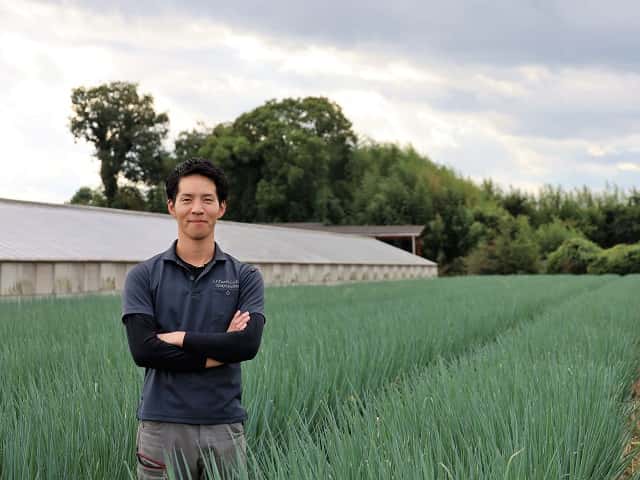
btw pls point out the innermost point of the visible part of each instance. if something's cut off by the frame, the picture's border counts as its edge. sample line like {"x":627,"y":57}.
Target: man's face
{"x":196,"y":208}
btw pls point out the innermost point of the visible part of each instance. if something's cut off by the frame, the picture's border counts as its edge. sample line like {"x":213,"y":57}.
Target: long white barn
{"x":48,"y":249}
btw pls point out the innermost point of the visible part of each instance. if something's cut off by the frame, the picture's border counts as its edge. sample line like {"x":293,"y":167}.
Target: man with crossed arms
{"x":192,"y":314}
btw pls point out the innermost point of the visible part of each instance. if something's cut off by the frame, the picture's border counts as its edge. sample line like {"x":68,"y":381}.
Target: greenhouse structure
{"x":51,"y":249}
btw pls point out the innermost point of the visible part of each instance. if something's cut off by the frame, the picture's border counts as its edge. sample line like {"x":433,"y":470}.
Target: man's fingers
{"x":235,"y":316}
{"x":239,"y":323}
{"x":240,"y":318}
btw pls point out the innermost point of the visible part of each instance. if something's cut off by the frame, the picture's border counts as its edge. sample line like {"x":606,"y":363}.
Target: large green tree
{"x":389,"y":185}
{"x":188,"y":143}
{"x":88,"y":196}
{"x":286,"y":160}
{"x":125,"y":130}
{"x":452,"y":233}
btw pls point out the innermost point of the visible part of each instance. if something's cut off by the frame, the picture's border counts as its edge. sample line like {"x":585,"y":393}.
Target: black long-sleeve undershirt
{"x":228,"y":347}
{"x":149,"y":351}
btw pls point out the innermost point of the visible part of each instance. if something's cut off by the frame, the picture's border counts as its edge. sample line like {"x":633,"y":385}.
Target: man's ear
{"x":223,"y":208}
{"x":171,"y":207}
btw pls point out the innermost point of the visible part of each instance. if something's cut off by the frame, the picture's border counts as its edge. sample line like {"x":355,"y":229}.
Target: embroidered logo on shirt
{"x":227,"y":284}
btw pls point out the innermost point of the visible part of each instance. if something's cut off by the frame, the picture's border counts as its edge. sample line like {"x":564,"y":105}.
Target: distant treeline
{"x":298,"y":160}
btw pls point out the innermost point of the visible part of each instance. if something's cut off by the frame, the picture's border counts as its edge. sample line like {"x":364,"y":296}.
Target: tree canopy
{"x":299,"y":160}
{"x":125,"y":130}
{"x":286,"y":161}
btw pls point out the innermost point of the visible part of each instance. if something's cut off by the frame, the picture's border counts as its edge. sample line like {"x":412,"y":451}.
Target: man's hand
{"x":238,"y":322}
{"x":174,"y":338}
{"x":177,"y":338}
{"x":212,"y":363}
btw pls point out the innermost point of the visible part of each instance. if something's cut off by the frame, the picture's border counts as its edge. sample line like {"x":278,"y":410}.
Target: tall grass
{"x":69,"y":394}
{"x":326,"y":345}
{"x":70,"y":389}
{"x":547,"y":400}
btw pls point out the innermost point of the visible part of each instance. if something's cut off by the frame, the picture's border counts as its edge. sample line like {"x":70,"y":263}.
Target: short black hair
{"x":197,"y":166}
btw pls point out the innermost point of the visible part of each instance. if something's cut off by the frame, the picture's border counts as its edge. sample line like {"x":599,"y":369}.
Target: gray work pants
{"x":189,"y":451}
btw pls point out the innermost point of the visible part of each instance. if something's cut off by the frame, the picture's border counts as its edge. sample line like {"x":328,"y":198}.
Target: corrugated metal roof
{"x":46,"y":232}
{"x":365,"y":230}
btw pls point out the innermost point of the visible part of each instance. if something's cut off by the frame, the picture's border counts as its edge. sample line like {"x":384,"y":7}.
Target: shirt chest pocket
{"x":221,"y":304}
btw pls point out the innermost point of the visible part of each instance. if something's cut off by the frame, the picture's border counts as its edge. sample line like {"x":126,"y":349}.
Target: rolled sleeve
{"x":251,"y":297}
{"x":136,"y":295}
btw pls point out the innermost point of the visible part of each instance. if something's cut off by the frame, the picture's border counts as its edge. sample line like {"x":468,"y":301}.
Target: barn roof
{"x":364,"y":230}
{"x":49,"y":232}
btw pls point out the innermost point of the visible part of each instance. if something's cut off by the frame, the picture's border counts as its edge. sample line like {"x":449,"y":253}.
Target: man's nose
{"x":197,"y":207}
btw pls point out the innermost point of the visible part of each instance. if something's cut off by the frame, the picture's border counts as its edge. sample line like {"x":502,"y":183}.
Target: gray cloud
{"x":570,"y":124}
{"x":552,"y":32}
{"x":457,"y":38}
{"x":526,"y":94}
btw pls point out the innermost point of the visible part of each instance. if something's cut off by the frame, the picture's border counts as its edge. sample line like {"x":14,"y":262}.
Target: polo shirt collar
{"x":171,"y":255}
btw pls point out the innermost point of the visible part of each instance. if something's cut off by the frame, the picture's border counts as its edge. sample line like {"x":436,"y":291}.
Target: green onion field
{"x":523,"y":377}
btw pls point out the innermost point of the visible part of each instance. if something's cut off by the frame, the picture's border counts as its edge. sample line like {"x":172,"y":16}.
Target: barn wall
{"x":62,"y":278}
{"x":299,"y":273}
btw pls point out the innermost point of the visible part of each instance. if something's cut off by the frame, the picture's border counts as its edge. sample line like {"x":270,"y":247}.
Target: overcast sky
{"x":526,"y":92}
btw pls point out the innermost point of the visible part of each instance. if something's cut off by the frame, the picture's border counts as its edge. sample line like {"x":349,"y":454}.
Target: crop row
{"x":70,"y":389}
{"x":316,"y":356}
{"x":547,"y":400}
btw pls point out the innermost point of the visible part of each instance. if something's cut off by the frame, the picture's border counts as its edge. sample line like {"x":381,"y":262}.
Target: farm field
{"x":483,"y":378}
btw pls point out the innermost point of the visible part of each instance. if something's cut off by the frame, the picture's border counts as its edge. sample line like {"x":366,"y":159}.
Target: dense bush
{"x":624,"y":259}
{"x":573,"y":256}
{"x":621,"y":259}
{"x":513,"y":249}
{"x":550,"y":236}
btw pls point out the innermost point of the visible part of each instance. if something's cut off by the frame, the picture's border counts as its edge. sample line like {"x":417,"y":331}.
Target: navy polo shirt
{"x":165,"y":288}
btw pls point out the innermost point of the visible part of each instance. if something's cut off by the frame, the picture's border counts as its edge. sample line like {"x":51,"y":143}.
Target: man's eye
{"x":186,"y":200}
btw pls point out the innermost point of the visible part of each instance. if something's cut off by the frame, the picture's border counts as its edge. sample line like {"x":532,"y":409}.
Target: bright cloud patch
{"x":523,"y":125}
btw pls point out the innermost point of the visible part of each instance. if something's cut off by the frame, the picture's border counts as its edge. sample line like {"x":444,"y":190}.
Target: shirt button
{"x":191,"y":277}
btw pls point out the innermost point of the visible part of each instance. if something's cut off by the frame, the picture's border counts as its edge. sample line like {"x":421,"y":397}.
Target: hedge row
{"x":579,"y":255}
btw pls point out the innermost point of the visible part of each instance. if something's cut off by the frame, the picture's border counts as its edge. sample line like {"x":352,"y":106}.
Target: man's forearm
{"x":228,"y":347}
{"x":150,"y":352}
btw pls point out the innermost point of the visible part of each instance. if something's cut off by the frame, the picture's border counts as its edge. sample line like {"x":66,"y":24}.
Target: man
{"x":192,"y":314}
